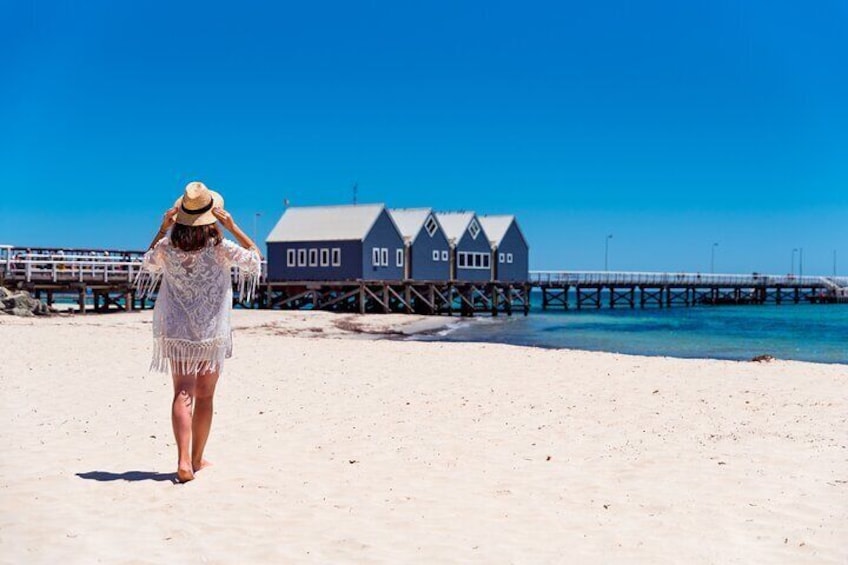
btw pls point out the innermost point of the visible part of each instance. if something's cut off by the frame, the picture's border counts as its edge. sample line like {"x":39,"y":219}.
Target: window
{"x":461,"y":258}
{"x":478,"y":260}
{"x":435,"y":255}
{"x":325,"y":257}
{"x":301,"y":257}
{"x":486,"y":257}
{"x":384,"y":257}
{"x":502,"y":258}
{"x":313,"y":257}
{"x":445,"y":255}
{"x":291,"y":260}
{"x":375,"y":256}
{"x":431,"y":226}
{"x":509,"y":257}
{"x":336,"y":256}
{"x":399,"y":257}
{"x":474,"y":229}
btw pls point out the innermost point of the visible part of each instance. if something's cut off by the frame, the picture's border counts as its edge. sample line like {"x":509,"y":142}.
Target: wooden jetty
{"x":103,"y":281}
{"x":594,"y":289}
{"x":409,"y":297}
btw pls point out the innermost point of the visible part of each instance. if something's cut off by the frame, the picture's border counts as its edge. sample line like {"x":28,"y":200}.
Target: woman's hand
{"x":225,"y":218}
{"x":169,"y":219}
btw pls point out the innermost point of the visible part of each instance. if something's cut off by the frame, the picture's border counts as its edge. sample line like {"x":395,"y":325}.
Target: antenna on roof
{"x":286,"y":203}
{"x":355,"y":192}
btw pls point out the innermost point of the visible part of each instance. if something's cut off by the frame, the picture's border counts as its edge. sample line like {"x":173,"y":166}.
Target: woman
{"x":191,"y":318}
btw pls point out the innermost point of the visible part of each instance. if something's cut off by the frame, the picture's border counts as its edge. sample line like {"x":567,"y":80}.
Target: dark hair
{"x":192,"y":238}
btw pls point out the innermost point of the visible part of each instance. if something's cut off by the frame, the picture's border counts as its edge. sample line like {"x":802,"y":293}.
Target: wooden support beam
{"x":341,"y":297}
{"x":429,"y":302}
{"x":407,"y":306}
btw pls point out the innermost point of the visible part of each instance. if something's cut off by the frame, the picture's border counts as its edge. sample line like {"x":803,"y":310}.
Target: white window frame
{"x":325,"y":257}
{"x":474,"y":229}
{"x":375,"y":256}
{"x":399,"y":257}
{"x":291,"y":258}
{"x":313,"y":257}
{"x":431,"y":226}
{"x":462,"y":259}
{"x":301,"y":257}
{"x":384,"y":257}
{"x":501,"y":257}
{"x":435,"y":255}
{"x":509,"y":257}
{"x":477,"y":260}
{"x":336,"y":256}
{"x":487,"y":260}
{"x":444,"y":254}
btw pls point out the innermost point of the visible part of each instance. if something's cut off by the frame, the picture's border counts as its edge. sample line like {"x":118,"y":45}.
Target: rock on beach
{"x":21,"y":303}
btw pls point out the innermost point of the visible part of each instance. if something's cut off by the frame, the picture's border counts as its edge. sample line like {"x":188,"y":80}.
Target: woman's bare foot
{"x":184,"y":475}
{"x":202,"y":465}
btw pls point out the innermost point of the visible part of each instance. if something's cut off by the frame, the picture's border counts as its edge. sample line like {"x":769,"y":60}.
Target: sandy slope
{"x":352,"y":450}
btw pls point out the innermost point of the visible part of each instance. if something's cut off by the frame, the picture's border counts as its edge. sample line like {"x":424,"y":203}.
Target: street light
{"x":800,"y":262}
{"x":792,"y":267}
{"x":834,"y":262}
{"x":256,"y":226}
{"x":712,"y":258}
{"x":606,"y":252}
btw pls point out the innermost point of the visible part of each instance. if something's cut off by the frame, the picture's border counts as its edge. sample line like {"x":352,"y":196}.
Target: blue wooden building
{"x":336,"y":243}
{"x":471,"y":253}
{"x":427,"y":247}
{"x":510,"y":251}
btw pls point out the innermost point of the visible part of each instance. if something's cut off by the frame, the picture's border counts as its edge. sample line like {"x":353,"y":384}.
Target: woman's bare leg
{"x":181,"y":420}
{"x":202,"y":421}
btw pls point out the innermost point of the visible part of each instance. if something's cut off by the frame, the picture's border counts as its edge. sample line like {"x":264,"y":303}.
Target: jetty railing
{"x":626,"y":278}
{"x":59,"y":267}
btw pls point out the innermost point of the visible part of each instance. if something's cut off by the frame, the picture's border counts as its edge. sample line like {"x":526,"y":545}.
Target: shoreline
{"x":306,"y":324}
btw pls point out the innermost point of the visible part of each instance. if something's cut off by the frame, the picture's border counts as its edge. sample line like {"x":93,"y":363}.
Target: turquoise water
{"x":803,"y":332}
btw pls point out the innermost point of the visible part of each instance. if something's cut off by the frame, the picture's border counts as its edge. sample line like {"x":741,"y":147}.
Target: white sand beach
{"x":329,"y":448}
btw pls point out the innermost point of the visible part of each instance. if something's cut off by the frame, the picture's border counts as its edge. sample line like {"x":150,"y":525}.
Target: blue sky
{"x":670,"y":125}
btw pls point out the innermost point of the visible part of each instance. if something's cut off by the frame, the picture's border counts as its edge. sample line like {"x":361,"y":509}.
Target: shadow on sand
{"x":130,"y":476}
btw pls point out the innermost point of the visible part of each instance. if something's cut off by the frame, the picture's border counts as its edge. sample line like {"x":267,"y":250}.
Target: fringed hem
{"x":146,"y":282}
{"x":247,"y":282}
{"x":189,"y":357}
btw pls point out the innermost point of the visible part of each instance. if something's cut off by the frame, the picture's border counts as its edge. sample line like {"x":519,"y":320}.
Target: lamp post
{"x":800,"y":262}
{"x":606,"y":252}
{"x":792,"y":267}
{"x":712,"y":257}
{"x":834,"y":262}
{"x":256,"y":226}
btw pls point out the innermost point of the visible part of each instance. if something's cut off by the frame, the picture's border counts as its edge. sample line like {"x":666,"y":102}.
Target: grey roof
{"x":409,"y":221}
{"x":326,"y":223}
{"x":496,"y":226}
{"x":454,"y":223}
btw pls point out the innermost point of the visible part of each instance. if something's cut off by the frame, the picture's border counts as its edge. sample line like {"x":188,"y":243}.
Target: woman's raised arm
{"x":168,"y":220}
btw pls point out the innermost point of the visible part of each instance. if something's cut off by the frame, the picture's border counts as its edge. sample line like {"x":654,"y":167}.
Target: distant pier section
{"x":596,"y":289}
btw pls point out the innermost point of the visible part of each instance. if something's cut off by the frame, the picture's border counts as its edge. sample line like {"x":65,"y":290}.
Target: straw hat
{"x":195,"y":205}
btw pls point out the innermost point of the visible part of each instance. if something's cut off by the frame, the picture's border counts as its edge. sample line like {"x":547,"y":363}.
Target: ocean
{"x":802,"y":332}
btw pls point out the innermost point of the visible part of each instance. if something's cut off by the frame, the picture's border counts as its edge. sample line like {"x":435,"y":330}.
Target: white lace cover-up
{"x":191,"y":318}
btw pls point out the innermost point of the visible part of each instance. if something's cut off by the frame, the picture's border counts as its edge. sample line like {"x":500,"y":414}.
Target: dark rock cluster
{"x":21,"y":303}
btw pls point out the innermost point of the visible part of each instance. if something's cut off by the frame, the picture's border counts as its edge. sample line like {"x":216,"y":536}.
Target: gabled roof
{"x":454,"y":223}
{"x":326,"y":223}
{"x":497,"y":226}
{"x":409,"y":221}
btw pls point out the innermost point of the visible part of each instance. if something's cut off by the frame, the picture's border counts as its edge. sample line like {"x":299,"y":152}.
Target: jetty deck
{"x":595,"y":289}
{"x":103,"y":281}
